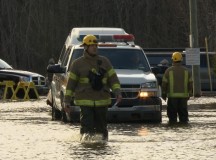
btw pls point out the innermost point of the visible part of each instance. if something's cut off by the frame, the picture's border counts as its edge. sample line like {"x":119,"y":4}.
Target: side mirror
{"x":155,"y":70}
{"x":56,"y":68}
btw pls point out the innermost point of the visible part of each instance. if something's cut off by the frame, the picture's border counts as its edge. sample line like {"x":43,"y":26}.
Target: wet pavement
{"x":27,"y":132}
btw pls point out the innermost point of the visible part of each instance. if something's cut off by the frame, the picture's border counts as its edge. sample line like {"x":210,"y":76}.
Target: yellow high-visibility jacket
{"x":177,"y":82}
{"x":79,"y":87}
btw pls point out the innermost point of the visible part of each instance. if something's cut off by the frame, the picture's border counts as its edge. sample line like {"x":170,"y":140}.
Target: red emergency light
{"x":124,"y":37}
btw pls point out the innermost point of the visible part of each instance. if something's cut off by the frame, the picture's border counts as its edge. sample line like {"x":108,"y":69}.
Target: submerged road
{"x":27,"y":132}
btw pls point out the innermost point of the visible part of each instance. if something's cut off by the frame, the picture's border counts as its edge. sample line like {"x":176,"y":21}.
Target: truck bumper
{"x":150,"y":113}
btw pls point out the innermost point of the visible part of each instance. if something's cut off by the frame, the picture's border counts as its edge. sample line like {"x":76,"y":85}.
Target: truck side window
{"x":65,"y":58}
{"x":76,"y":54}
{"x":62,"y":54}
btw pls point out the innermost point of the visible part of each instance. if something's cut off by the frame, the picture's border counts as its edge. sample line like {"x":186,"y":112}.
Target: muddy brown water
{"x":27,"y":132}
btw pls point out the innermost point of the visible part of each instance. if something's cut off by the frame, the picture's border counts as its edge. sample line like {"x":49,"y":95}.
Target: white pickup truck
{"x":141,"y":101}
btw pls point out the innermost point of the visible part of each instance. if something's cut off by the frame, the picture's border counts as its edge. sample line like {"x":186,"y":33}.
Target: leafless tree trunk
{"x":31,"y":31}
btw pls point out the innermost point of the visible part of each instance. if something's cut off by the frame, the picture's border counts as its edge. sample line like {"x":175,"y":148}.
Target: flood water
{"x":27,"y":132}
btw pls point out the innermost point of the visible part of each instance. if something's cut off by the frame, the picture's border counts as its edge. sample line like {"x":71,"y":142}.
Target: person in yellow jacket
{"x":90,"y":79}
{"x":177,"y":87}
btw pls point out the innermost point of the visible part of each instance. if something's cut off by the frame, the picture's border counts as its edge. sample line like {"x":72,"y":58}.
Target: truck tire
{"x":56,"y":114}
{"x":64,"y":117}
{"x":63,"y":113}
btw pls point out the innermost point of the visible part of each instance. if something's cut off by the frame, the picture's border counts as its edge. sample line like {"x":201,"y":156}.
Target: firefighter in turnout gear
{"x":90,"y":79}
{"x":177,"y":87}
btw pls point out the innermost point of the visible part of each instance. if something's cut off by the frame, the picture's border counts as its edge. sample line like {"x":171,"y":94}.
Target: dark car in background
{"x":8,"y":73}
{"x":155,"y":56}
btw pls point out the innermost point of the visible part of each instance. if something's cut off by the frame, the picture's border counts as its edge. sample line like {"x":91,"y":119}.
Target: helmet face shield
{"x":90,"y":40}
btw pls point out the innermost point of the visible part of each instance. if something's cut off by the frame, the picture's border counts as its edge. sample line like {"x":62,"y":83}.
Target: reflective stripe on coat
{"x":177,"y":82}
{"x":78,"y":85}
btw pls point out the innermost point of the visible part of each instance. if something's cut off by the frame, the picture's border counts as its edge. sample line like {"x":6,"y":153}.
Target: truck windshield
{"x":4,"y":65}
{"x":121,"y":58}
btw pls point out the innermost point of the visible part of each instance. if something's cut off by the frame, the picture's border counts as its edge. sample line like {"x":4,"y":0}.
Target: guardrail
{"x":25,"y":86}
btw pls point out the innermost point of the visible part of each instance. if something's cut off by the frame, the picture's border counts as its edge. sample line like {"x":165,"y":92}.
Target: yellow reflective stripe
{"x":93,"y":103}
{"x":181,"y":95}
{"x":68,"y":93}
{"x":185,"y":82}
{"x":73,"y":76}
{"x":111,"y":72}
{"x":104,"y":80}
{"x":103,"y":102}
{"x":115,"y":86}
{"x":84,"y":102}
{"x":171,"y":80}
{"x":84,"y":80}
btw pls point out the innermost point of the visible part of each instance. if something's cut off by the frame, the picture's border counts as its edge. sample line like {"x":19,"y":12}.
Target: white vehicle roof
{"x":76,"y":32}
{"x":97,"y":30}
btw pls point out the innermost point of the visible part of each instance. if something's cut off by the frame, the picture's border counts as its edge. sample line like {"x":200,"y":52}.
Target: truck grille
{"x":129,"y":91}
{"x":39,"y":81}
{"x":129,"y":94}
{"x":137,"y":86}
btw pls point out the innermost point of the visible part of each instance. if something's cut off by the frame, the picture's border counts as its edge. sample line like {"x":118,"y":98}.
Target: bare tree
{"x":31,"y":31}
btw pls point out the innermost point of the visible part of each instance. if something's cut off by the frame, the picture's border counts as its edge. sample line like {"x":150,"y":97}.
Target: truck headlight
{"x":143,"y":94}
{"x":149,"y":85}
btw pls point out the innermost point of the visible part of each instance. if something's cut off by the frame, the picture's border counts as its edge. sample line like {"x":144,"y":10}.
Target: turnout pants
{"x":94,"y":121}
{"x":177,"y":107}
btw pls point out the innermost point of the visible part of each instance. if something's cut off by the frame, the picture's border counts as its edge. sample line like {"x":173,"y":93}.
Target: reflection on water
{"x":27,"y":132}
{"x":90,"y":150}
{"x":143,"y":132}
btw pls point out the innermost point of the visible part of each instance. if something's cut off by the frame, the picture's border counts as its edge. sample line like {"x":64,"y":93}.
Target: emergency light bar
{"x":126,"y":37}
{"x":111,"y":38}
{"x":116,"y":38}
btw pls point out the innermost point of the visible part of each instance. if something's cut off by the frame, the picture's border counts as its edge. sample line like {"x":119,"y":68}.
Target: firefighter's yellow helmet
{"x":90,"y":40}
{"x":176,"y":57}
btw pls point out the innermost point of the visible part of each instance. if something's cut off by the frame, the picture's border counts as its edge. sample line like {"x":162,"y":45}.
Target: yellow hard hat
{"x":176,"y":56}
{"x":90,"y":40}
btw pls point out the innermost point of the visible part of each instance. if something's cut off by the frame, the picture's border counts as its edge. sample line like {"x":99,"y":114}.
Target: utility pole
{"x":194,"y":44}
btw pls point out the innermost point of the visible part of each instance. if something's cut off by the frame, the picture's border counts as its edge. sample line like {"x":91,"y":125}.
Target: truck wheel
{"x":64,"y":117}
{"x":56,"y":114}
{"x":158,"y":119}
{"x":63,"y":113}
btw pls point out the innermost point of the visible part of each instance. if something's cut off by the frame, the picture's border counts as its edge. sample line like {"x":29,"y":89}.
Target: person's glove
{"x":164,"y":97}
{"x":118,"y":98}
